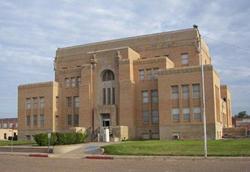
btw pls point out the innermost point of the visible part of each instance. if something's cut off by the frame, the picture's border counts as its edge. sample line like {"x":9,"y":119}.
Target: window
{"x":197,"y":113}
{"x":78,"y":81}
{"x":145,"y":117}
{"x":155,"y":117}
{"x":141,"y":74}
{"x":175,"y":114}
{"x":155,"y":73}
{"x":34,"y":102}
{"x":73,"y":82}
{"x":41,"y":120}
{"x":184,"y":59}
{"x":196,"y":90}
{"x":28,"y":120}
{"x":185,"y":91}
{"x":109,"y":96}
{"x":57,"y":101}
{"x":69,"y":119}
{"x":175,"y":92}
{"x":108,"y":75}
{"x":104,"y":96}
{"x":76,"y":102}
{"x":149,"y":74}
{"x":76,"y":120}
{"x":28,"y":103}
{"x":41,"y":102}
{"x":154,"y":96}
{"x":186,"y":114}
{"x":69,"y":101}
{"x":35,"y":120}
{"x":11,"y":125}
{"x":67,"y":82}
{"x":113,"y":96}
{"x":145,"y":96}
{"x":5,"y":125}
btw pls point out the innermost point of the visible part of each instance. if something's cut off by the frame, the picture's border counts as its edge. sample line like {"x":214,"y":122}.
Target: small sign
{"x":49,"y":135}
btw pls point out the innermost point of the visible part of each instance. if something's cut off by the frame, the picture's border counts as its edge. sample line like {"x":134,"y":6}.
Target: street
{"x":26,"y":164}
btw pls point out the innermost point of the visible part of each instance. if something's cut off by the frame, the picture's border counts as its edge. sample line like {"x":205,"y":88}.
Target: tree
{"x":242,"y":114}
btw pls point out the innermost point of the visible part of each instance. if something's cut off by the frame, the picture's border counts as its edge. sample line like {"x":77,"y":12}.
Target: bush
{"x":42,"y":139}
{"x":60,"y":138}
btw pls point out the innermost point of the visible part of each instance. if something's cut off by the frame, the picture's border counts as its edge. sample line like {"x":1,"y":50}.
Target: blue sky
{"x":32,"y":30}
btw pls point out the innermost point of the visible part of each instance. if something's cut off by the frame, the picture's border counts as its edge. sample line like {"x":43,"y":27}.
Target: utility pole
{"x":93,"y":63}
{"x":203,"y":104}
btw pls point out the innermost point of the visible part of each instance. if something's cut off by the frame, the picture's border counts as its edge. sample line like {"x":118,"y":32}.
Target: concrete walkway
{"x":86,"y":149}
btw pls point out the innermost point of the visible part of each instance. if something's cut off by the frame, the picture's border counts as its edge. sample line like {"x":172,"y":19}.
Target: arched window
{"x":108,"y":75}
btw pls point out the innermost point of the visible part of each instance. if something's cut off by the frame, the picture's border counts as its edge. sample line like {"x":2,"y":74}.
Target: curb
{"x":99,"y":157}
{"x":124,"y":157}
{"x":39,"y":155}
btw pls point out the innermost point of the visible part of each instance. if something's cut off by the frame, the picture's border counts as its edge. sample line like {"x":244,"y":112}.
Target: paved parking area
{"x":26,"y":164}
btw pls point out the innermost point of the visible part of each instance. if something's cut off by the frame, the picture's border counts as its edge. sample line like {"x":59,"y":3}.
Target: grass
{"x":19,"y":142}
{"x":240,"y":147}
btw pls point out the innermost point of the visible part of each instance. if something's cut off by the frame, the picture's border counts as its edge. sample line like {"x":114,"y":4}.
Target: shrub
{"x":42,"y":139}
{"x":60,"y":138}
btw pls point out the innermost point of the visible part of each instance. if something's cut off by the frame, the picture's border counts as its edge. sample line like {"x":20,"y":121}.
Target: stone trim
{"x":39,"y":84}
{"x":109,"y":49}
{"x":128,"y":38}
{"x":150,"y":60}
{"x":185,"y":70}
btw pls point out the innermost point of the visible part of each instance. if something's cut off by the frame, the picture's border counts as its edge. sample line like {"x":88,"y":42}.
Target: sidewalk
{"x":87,"y":149}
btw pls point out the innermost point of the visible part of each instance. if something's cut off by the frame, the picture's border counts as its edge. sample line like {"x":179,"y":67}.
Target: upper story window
{"x":41,"y":120}
{"x":154,"y":96}
{"x":174,"y":92}
{"x":149,"y":74}
{"x":76,"y":102}
{"x":35,"y":120}
{"x":41,"y":102}
{"x":155,"y":73}
{"x":28,"y":120}
{"x":73,"y":82}
{"x":184,"y":59}
{"x":28,"y":103}
{"x":108,"y":75}
{"x":145,"y":96}
{"x":69,"y":101}
{"x":196,"y":90}
{"x":78,"y":81}
{"x":67,"y":82}
{"x":185,"y":91}
{"x":141,"y":74}
{"x":34,"y":102}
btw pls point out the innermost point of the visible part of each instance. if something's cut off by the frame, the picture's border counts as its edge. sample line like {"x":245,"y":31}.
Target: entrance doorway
{"x":105,"y":117}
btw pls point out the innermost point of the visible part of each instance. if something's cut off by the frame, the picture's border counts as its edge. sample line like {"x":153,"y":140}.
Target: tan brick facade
{"x":150,"y":83}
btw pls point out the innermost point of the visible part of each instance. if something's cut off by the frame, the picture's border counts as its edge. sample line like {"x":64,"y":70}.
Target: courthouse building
{"x":152,"y":84}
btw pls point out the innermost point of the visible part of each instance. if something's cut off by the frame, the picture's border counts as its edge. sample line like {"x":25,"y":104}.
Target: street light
{"x":93,"y":63}
{"x":203,"y":93}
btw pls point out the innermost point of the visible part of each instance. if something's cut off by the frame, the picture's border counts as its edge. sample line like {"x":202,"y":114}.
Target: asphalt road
{"x":26,"y":164}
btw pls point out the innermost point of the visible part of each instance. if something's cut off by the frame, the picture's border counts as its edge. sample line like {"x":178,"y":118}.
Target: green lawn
{"x":19,"y":142}
{"x":240,"y":147}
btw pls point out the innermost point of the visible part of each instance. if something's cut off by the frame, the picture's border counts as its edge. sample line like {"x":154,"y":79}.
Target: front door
{"x":105,"y":117}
